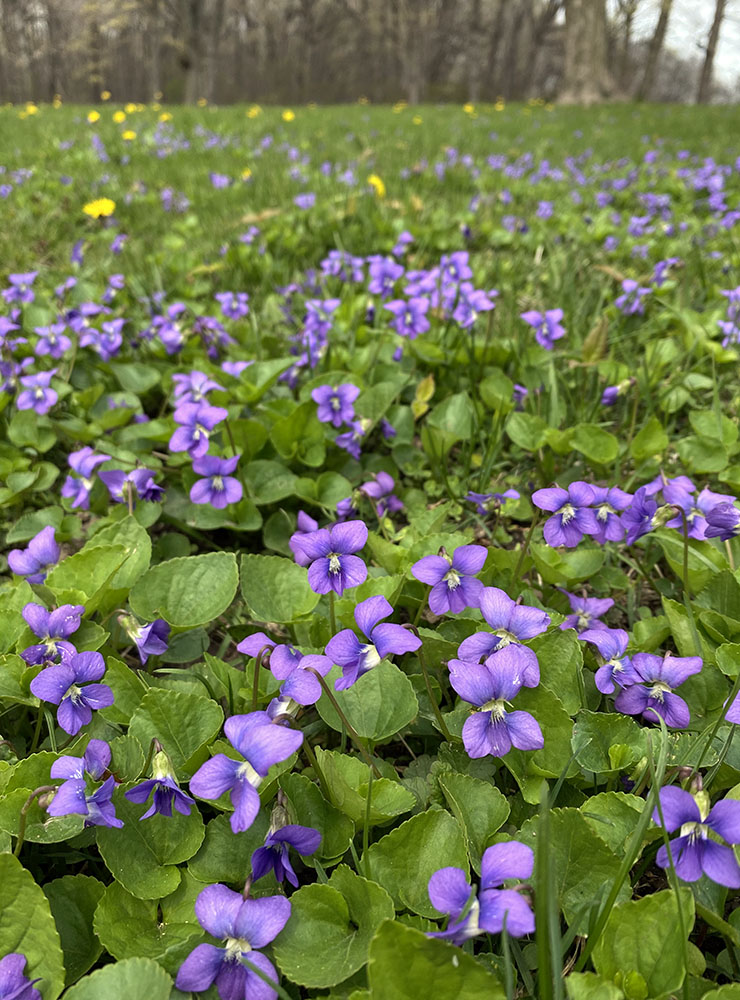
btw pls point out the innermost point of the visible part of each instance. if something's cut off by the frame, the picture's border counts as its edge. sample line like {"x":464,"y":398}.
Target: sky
{"x":689,"y":24}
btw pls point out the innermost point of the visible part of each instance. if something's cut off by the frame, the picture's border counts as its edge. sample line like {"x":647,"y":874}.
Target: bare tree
{"x":654,"y":49}
{"x":703,"y":93}
{"x":587,"y":77}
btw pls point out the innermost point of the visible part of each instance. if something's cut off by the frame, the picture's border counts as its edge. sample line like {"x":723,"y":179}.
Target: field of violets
{"x":370,"y":574}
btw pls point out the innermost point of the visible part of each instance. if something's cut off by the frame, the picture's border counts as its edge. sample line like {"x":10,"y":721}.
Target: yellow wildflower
{"x":288,"y":115}
{"x":93,"y":116}
{"x":469,"y":108}
{"x":119,"y":116}
{"x":165,"y":117}
{"x":105,"y":96}
{"x":377,"y":184}
{"x":129,"y":108}
{"x":246,"y":174}
{"x":101,"y":208}
{"x":129,"y":135}
{"x":417,"y":119}
{"x":201,"y":102}
{"x":254,"y":111}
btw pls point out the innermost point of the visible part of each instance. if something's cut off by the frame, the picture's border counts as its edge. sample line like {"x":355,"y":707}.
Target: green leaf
{"x":224,"y":855}
{"x":560,"y":655}
{"x":88,"y":571}
{"x":12,"y":602}
{"x":188,"y":591}
{"x":606,"y":742}
{"x":137,"y":543}
{"x":566,"y":566}
{"x":405,"y":965}
{"x":310,"y":808}
{"x":530,"y":767}
{"x":134,"y":979}
{"x":406,"y":858}
{"x":642,"y":936}
{"x":128,"y":690}
{"x":142,"y":855}
{"x":183,"y":723}
{"x":348,"y":780}
{"x":136,"y":377}
{"x":612,"y":816}
{"x":73,"y":899}
{"x":331,"y":926}
{"x":480,"y":809}
{"x":572,"y":842}
{"x":129,"y":927}
{"x":599,"y":446}
{"x":27,"y":926}
{"x":25,"y":776}
{"x":276,"y":589}
{"x":526,"y":430}
{"x":589,"y":986}
{"x":651,"y":440}
{"x":379,"y":705}
{"x":269,"y":482}
{"x":455,"y":416}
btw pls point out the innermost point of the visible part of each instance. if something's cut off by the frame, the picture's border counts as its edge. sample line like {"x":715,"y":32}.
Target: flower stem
{"x":428,"y":684}
{"x":24,"y":814}
{"x":351,"y":731}
{"x":37,"y":730}
{"x":262,"y":656}
{"x":311,"y":757}
{"x":332,"y":613}
{"x":523,"y":553}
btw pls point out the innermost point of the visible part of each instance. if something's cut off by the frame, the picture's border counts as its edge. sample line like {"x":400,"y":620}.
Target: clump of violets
{"x":72,"y":686}
{"x":630,"y":302}
{"x":34,"y":562}
{"x":330,"y":556}
{"x":572,"y":516}
{"x":513,"y":624}
{"x":14,"y":984}
{"x":218,"y":487}
{"x":452,"y":579}
{"x":693,"y":852}
{"x":244,"y":925}
{"x":379,"y":490}
{"x":490,"y":686}
{"x":547,"y":326}
{"x":383,"y":639}
{"x":335,"y":403}
{"x":261,"y":744}
{"x":125,"y":487}
{"x":649,"y":689}
{"x":487,"y":503}
{"x":491,"y":908}
{"x":167,"y":792}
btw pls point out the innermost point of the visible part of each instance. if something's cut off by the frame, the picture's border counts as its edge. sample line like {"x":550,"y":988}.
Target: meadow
{"x":369,"y":598}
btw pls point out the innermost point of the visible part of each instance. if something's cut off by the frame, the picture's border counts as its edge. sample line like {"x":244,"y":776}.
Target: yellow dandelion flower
{"x":105,"y":96}
{"x":129,"y":135}
{"x":201,"y":102}
{"x":119,"y":116}
{"x":288,"y":115}
{"x":246,"y":174}
{"x":254,"y":111}
{"x":399,"y":106}
{"x":129,"y":108}
{"x":469,"y":108}
{"x":417,"y":120}
{"x":165,"y":117}
{"x":57,"y":102}
{"x":101,"y":208}
{"x":93,"y":116}
{"x":31,"y":108}
{"x":377,"y":184}
{"x":158,"y":95}
{"x":499,"y":105}
{"x":156,"y":106}
{"x":312,"y":105}
{"x":363,"y":100}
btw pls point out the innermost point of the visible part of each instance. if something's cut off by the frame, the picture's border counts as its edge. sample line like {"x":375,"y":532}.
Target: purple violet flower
{"x":234,"y":305}
{"x":335,"y":403}
{"x":692,"y":852}
{"x":150,"y":640}
{"x":384,"y":639}
{"x":380,"y":491}
{"x":492,"y":729}
{"x":306,"y":525}
{"x":83,"y":462}
{"x":244,"y":925}
{"x":69,"y":685}
{"x":219,"y":488}
{"x":586,"y":611}
{"x":166,"y":790}
{"x":512,"y":625}
{"x":630,"y":302}
{"x":33,"y":562}
{"x":351,"y":440}
{"x":20,"y":289}
{"x":547,"y":326}
{"x":608,"y":503}
{"x":333,"y":565}
{"x":453,"y":582}
{"x":273,"y":856}
{"x":52,"y":340}
{"x":197,"y":420}
{"x":118,"y":483}
{"x":723,"y":522}
{"x":14,"y":985}
{"x":37,"y":395}
{"x":71,"y":797}
{"x":300,"y":684}
{"x":694,"y":509}
{"x":409,"y":317}
{"x":261,"y":744}
{"x":651,"y":688}
{"x":50,"y":626}
{"x":493,"y":908}
{"x":639,"y":517}
{"x":616,"y":668}
{"x":485,"y":503}
{"x":572,"y":516}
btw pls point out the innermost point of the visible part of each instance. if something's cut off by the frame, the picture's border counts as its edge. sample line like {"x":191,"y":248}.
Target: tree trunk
{"x":587,"y":78}
{"x":654,"y":50}
{"x":624,"y":61}
{"x":704,"y":92}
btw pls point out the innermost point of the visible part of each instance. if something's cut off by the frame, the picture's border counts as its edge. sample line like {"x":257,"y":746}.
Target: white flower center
{"x":567,"y":512}
{"x":369,"y":656}
{"x":452,"y":577}
{"x":217,"y":483}
{"x":335,"y":565}
{"x":235,"y":947}
{"x":659,"y":690}
{"x":247,"y":773}
{"x":505,"y":638}
{"x":496,"y":707}
{"x":696,"y":831}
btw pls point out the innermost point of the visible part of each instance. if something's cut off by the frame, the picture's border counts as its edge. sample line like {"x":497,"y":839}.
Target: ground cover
{"x":370,"y":613}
